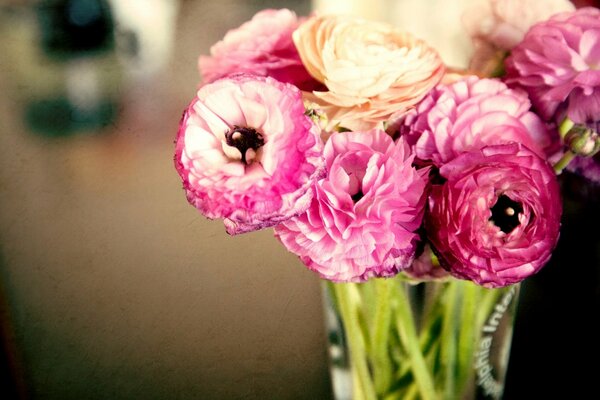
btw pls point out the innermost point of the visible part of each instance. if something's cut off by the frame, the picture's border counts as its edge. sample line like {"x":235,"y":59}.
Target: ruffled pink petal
{"x":363,"y":219}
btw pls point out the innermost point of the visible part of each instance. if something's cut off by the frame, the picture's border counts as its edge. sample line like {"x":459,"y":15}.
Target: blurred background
{"x":113,"y":287}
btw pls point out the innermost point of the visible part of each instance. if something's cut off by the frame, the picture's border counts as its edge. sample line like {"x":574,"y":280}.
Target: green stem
{"x":486,"y":305}
{"x":448,"y":340}
{"x":564,"y":161}
{"x":404,"y":381}
{"x":565,"y":126}
{"x":468,"y":332}
{"x":382,"y":366}
{"x":356,"y":341}
{"x":406,"y":328}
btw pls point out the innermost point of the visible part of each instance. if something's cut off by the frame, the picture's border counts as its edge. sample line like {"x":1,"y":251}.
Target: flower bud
{"x":582,"y":141}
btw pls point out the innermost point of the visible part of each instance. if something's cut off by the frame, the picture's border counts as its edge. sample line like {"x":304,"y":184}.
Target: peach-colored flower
{"x":496,"y":26}
{"x":371,"y":69}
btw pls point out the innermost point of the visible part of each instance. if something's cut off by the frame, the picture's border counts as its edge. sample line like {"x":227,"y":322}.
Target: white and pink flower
{"x":247,"y":153}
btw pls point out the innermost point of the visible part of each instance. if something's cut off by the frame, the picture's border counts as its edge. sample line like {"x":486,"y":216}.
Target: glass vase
{"x":391,"y":339}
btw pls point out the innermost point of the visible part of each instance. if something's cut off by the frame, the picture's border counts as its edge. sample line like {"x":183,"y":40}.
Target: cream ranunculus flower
{"x":496,"y":26}
{"x":371,"y":69}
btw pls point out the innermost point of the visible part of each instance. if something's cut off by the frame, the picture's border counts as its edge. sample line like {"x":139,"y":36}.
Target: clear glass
{"x":390,"y":339}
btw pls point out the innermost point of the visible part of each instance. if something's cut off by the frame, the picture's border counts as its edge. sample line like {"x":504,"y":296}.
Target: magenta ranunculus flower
{"x":496,"y":218}
{"x":247,"y":153}
{"x":262,"y":46}
{"x":362,"y":220}
{"x":470,"y":114}
{"x":557,"y":63}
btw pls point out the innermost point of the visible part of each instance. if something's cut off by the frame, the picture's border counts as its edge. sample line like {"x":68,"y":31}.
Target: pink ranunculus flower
{"x":262,"y":46}
{"x":363,"y":219}
{"x":558,"y":64}
{"x":370,"y":69}
{"x":247,"y":153}
{"x":496,"y":26}
{"x":496,"y":218}
{"x":470,"y":114}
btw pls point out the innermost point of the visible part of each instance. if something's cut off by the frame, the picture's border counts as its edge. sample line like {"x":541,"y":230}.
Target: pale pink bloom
{"x":370,"y":69}
{"x":496,"y":26}
{"x":363,"y":218}
{"x":262,"y":46}
{"x":496,"y":218}
{"x":247,"y":153}
{"x":558,"y":63}
{"x":469,"y":114}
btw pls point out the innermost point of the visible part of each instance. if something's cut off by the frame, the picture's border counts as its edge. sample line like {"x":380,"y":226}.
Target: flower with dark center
{"x":245,"y":139}
{"x":247,"y":153}
{"x":496,"y":218}
{"x":505,"y":214}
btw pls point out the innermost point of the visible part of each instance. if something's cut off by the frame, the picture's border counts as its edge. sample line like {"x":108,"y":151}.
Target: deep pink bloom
{"x":247,"y":153}
{"x":469,"y":114}
{"x":262,"y":46}
{"x":363,"y":217}
{"x":558,"y":63}
{"x":496,"y":219}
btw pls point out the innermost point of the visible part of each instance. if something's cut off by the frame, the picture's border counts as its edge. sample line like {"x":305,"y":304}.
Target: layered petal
{"x":370,"y":69}
{"x":262,"y":46}
{"x":469,"y":114}
{"x":247,"y":153}
{"x":496,"y":26}
{"x":558,"y":64}
{"x":365,"y":212}
{"x":496,"y":218}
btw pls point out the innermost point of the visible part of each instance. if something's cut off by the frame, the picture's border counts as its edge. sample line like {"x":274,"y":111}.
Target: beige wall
{"x":117,"y":288}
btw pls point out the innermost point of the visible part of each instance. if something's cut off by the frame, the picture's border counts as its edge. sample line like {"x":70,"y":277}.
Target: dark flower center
{"x":357,"y":196}
{"x":244,"y":138}
{"x":505,"y":213}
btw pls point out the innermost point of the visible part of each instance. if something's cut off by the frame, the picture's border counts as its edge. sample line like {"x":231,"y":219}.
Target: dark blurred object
{"x":12,"y":384}
{"x":10,"y":389}
{"x":72,"y":28}
{"x":586,"y":3}
{"x":63,"y":65}
{"x":557,"y":340}
{"x":59,"y":117}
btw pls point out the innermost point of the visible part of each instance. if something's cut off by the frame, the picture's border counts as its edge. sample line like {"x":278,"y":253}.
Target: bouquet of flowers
{"x":382,"y":168}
